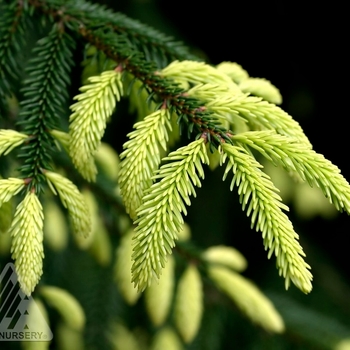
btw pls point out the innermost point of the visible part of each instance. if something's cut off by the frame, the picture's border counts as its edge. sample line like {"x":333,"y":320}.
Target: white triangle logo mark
{"x":20,"y":316}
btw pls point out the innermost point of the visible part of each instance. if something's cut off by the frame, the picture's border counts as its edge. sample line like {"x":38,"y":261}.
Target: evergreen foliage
{"x":125,"y":204}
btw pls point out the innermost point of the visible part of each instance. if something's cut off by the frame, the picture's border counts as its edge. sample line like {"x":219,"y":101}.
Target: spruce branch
{"x":101,"y":188}
{"x":12,"y":27}
{"x":234,"y":70}
{"x":264,"y":115}
{"x":159,"y":216}
{"x":294,"y":156}
{"x":259,"y":198}
{"x":154,"y":45}
{"x":206,"y":100}
{"x":141,"y":157}
{"x":9,"y":188}
{"x":257,"y":113}
{"x":45,"y":92}
{"x":210,"y":92}
{"x":190,"y":111}
{"x":10,"y":139}
{"x":71,"y":199}
{"x":27,"y":241}
{"x":262,"y":88}
{"x":88,"y":121}
{"x":189,"y":73}
{"x":256,"y":86}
